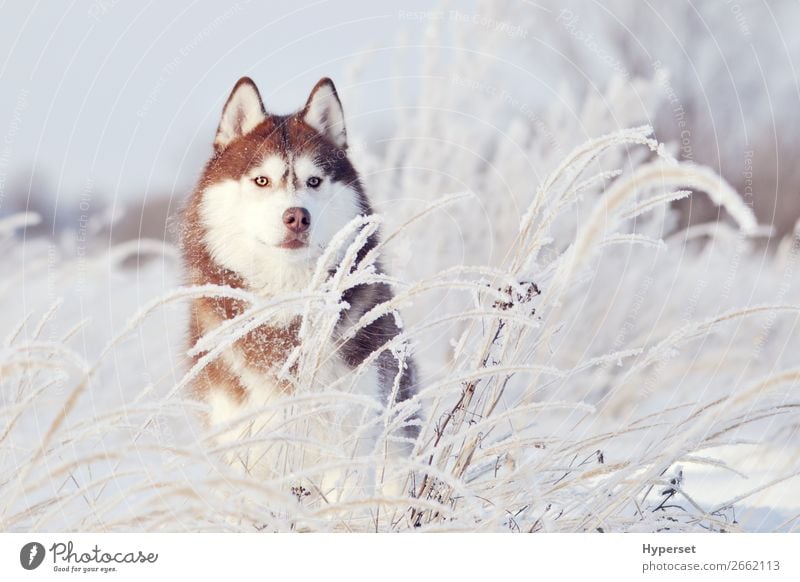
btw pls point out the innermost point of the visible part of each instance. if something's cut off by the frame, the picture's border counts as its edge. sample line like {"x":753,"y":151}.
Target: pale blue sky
{"x":127,"y":94}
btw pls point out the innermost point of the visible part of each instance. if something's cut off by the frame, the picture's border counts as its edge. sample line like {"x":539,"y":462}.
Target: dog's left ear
{"x":323,"y":112}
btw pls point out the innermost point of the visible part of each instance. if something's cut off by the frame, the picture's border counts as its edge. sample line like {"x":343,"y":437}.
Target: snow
{"x":651,"y":354}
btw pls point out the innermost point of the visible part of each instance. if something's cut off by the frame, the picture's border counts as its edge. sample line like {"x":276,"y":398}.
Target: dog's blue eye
{"x":313,"y":182}
{"x":261,"y":181}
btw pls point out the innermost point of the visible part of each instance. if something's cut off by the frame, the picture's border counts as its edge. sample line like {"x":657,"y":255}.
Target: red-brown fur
{"x":267,"y":347}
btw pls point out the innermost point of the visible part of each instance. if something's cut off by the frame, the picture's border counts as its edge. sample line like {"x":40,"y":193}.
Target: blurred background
{"x":108,"y":108}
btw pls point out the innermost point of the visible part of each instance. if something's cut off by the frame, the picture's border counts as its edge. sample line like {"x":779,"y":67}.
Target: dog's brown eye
{"x":313,"y":182}
{"x":261,"y":181}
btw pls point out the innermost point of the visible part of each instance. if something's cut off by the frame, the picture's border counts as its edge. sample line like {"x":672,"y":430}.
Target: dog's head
{"x":278,"y":187}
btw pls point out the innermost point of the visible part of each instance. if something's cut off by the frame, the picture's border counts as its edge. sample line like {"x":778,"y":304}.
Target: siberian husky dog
{"x":275,"y":192}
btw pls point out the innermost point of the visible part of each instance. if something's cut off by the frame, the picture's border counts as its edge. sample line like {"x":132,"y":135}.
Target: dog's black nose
{"x":297,"y":219}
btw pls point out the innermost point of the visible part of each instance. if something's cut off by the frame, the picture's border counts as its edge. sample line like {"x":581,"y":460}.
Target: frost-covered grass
{"x":596,"y":377}
{"x":586,"y":364}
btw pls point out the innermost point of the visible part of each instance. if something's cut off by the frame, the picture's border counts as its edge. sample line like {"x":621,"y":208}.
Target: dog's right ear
{"x":242,"y":113}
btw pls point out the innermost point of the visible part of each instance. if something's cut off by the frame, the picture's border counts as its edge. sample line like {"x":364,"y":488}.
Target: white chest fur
{"x":308,"y":437}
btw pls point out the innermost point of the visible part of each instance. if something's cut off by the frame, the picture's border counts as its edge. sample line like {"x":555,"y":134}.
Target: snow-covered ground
{"x":649,"y":385}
